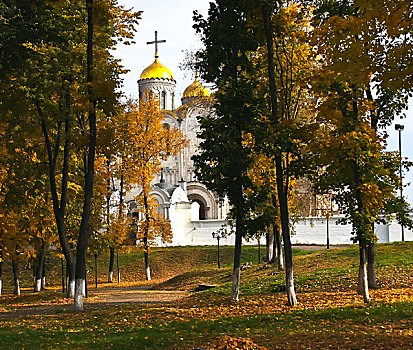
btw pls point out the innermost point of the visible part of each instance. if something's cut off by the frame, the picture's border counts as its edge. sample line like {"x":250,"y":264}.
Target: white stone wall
{"x":314,"y":231}
{"x":308,"y":231}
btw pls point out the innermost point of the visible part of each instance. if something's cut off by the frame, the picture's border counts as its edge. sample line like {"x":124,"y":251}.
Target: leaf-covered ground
{"x":329,"y":315}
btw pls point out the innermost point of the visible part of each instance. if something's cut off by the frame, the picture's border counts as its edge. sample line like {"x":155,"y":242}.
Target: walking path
{"x":100,"y":298}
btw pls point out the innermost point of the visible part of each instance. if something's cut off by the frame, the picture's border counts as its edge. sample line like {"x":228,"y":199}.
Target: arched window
{"x":163,"y":100}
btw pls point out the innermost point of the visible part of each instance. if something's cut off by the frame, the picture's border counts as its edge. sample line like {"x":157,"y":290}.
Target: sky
{"x":173,"y":21}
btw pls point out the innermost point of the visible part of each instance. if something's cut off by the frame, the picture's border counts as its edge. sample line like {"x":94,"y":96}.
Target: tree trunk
{"x":278,"y":252}
{"x":59,"y":206}
{"x":1,"y":275}
{"x":38,"y":267}
{"x":147,"y":267}
{"x":111,"y":264}
{"x":70,"y":289}
{"x":289,"y":274}
{"x":117,"y":265}
{"x":282,"y":189}
{"x":70,"y":278}
{"x":236,"y":274}
{"x":44,"y":272}
{"x":34,"y":263}
{"x":363,"y":287}
{"x":145,"y":237}
{"x":371,"y":268}
{"x":111,"y":250}
{"x":85,"y":223}
{"x":269,"y":241}
{"x":278,"y":248}
{"x":63,"y":275}
{"x":259,"y":249}
{"x":15,"y":265}
{"x":96,"y":270}
{"x":86,"y":290}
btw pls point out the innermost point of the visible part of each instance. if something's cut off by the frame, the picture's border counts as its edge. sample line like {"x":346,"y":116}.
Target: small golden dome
{"x":156,"y":71}
{"x":196,"y":89}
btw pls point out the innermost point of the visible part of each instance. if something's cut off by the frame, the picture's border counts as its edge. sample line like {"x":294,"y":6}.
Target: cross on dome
{"x":156,"y":42}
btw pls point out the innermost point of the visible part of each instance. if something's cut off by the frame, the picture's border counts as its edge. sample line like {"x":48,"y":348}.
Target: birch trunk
{"x":371,"y":266}
{"x":39,"y":266}
{"x":236,"y":274}
{"x":279,"y":249}
{"x":111,"y":264}
{"x":70,"y":280}
{"x":145,"y":236}
{"x":85,"y":223}
{"x":15,"y":265}
{"x":80,"y":287}
{"x":1,"y":276}
{"x":363,"y":287}
{"x":269,"y":256}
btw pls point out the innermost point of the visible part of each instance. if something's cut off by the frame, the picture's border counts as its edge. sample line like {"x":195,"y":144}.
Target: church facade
{"x":193,"y":210}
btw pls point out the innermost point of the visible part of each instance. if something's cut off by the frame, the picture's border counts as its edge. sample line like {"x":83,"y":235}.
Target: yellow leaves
{"x":74,"y":187}
{"x":232,"y":343}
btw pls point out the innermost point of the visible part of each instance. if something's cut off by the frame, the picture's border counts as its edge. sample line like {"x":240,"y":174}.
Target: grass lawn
{"x":329,"y":315}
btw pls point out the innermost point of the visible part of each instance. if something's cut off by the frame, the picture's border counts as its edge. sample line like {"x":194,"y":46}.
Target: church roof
{"x":166,"y":186}
{"x":156,"y":71}
{"x":196,"y":89}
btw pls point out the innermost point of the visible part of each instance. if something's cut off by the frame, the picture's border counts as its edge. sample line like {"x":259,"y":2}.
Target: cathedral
{"x":195,"y":213}
{"x":193,"y":210}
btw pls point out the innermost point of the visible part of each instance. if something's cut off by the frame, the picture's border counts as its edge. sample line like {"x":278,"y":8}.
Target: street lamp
{"x":399,"y":128}
{"x":218,"y":237}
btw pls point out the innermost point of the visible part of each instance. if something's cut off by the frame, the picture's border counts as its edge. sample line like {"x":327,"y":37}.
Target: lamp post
{"x":218,"y":237}
{"x":400,"y":128}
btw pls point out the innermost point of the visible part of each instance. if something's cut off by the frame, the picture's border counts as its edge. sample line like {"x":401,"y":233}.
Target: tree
{"x":225,"y":155}
{"x":89,"y":160}
{"x":290,"y":60}
{"x":149,"y":143}
{"x":117,"y":174}
{"x":45,"y":86}
{"x":26,"y":218}
{"x":356,"y":70}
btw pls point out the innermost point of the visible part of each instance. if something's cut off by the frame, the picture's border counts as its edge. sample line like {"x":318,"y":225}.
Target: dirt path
{"x":98,"y":299}
{"x":141,"y":295}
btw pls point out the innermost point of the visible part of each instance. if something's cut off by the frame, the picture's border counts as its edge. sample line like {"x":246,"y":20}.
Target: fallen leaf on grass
{"x":232,"y":343}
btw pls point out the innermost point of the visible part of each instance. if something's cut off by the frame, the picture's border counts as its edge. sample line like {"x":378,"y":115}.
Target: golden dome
{"x":196,"y":89}
{"x":156,"y":71}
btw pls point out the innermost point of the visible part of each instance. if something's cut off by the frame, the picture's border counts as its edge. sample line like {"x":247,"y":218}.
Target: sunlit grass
{"x":329,"y":314}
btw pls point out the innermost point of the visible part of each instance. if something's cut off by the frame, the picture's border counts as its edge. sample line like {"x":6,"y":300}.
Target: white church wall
{"x":307,"y":231}
{"x":180,"y":216}
{"x":382,"y":232}
{"x":395,"y":233}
